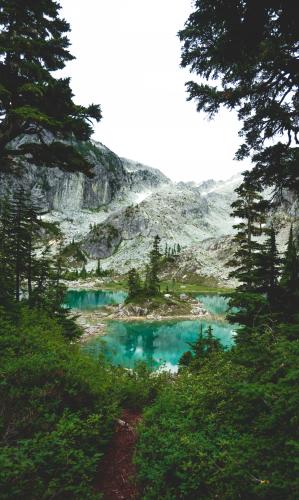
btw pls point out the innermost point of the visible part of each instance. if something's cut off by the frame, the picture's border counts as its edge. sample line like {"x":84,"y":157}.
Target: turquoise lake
{"x":90,"y":299}
{"x":158,"y":343}
{"x":215,"y":304}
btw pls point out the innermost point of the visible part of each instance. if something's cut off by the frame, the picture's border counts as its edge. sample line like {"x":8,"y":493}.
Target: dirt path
{"x":117,"y":469}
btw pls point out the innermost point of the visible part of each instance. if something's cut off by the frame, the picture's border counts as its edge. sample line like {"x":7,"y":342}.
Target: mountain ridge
{"x":115,"y":215}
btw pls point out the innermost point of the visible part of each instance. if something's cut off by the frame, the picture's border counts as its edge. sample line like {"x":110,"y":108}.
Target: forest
{"x":226,"y":425}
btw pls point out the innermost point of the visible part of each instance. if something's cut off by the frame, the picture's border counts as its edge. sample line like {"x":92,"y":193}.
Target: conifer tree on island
{"x":152,"y":284}
{"x":33,"y":102}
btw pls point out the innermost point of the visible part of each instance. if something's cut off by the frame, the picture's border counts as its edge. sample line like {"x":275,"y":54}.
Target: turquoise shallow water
{"x":156,"y":343}
{"x":90,"y":299}
{"x":215,"y":304}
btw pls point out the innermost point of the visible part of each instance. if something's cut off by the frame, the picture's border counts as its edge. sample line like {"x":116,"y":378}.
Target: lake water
{"x":155,"y":342}
{"x":90,"y":299}
{"x":215,"y":304}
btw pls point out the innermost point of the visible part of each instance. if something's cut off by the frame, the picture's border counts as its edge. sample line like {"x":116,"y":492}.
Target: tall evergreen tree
{"x":248,"y":304}
{"x":134,"y":283}
{"x":268,"y":269}
{"x":251,"y":208}
{"x":7,"y":275}
{"x":21,"y":229}
{"x":98,"y":269}
{"x":250,"y":50}
{"x":290,"y":282}
{"x":289,"y":277}
{"x":32,"y":100}
{"x":152,"y":280}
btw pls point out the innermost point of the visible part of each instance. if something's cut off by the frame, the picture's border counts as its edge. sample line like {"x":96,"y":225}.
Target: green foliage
{"x":171,"y":253}
{"x":51,"y":229}
{"x":140,"y":387}
{"x":202,"y":349}
{"x":251,"y":208}
{"x":73,"y":254}
{"x":250,"y":50}
{"x":33,"y":102}
{"x":228,"y":431}
{"x":152,"y":281}
{"x":151,"y":285}
{"x":134,"y":284}
{"x":57,"y":410}
{"x":102,"y":273}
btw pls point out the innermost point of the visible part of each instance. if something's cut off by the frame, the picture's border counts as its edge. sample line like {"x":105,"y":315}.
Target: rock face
{"x":54,"y":189}
{"x":61,"y":191}
{"x":115,"y":215}
{"x":186,"y":214}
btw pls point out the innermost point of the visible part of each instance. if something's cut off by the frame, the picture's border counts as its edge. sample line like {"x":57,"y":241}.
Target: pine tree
{"x":39,"y":296}
{"x":289,"y":277}
{"x":166,"y":250}
{"x":83,"y":272}
{"x":246,"y":57}
{"x":7,"y":275}
{"x":33,"y":101}
{"x":268,"y":269}
{"x":22,"y":228}
{"x":248,"y":304}
{"x":98,"y":272}
{"x":201,"y":349}
{"x":134,"y":283}
{"x":251,"y":208}
{"x":152,"y":279}
{"x":290,"y":281}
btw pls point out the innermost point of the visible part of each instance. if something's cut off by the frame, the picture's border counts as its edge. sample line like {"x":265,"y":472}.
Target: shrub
{"x":227,"y":431}
{"x":57,"y":410}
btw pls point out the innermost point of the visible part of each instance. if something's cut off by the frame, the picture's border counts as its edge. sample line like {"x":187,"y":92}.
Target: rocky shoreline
{"x":94,"y":323}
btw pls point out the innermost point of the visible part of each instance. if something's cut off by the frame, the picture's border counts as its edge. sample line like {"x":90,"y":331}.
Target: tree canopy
{"x":251,"y":51}
{"x":34,"y":102}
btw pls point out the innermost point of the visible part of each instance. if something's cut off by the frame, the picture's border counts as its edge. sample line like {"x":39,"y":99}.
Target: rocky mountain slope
{"x":115,"y":215}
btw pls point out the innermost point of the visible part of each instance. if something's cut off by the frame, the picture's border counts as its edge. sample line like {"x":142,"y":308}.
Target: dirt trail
{"x":117,"y":469}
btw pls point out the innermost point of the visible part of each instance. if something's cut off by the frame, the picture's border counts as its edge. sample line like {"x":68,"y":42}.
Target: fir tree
{"x":83,"y":272}
{"x":7,"y":275}
{"x":251,"y":209}
{"x":134,"y":283}
{"x":24,"y":230}
{"x":33,"y":101}
{"x":200,"y":350}
{"x":98,"y":269}
{"x":250,"y":50}
{"x":290,"y":281}
{"x":166,"y":250}
{"x":152,"y":278}
{"x":248,"y":304}
{"x":267,"y":271}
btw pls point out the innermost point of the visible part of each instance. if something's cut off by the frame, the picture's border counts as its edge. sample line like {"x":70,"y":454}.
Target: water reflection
{"x":215,"y":304}
{"x":90,"y":299}
{"x":156,"y":343}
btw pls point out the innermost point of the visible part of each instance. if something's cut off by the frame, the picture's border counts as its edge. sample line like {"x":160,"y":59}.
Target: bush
{"x":227,"y":431}
{"x":139,"y":387}
{"x":57,"y":411}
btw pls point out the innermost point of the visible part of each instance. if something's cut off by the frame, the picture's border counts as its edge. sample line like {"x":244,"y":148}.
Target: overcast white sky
{"x":128,"y":60}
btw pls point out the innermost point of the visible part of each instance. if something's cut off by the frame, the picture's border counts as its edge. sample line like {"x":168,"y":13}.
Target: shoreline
{"x":111,"y":285}
{"x":95,"y":325}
